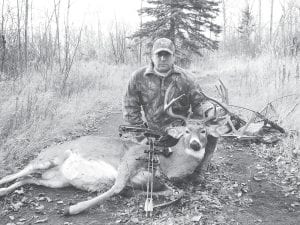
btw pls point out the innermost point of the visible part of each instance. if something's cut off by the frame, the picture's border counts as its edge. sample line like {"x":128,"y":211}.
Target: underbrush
{"x":35,"y":110}
{"x":268,"y":85}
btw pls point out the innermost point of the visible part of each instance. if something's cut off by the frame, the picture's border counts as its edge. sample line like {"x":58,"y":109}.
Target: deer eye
{"x":187,"y":131}
{"x":203,"y":131}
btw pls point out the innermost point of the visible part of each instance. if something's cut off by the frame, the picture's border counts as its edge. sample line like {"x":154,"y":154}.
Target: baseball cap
{"x":163,"y":44}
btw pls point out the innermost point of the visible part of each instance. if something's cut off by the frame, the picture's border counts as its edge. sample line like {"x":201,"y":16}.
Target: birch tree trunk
{"x":259,"y":22}
{"x":271,"y":20}
{"x":57,"y":39}
{"x":224,"y":20}
{"x":26,"y":35}
{"x":19,"y":36}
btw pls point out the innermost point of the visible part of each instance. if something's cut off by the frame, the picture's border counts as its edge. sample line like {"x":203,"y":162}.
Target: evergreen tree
{"x":246,"y":29}
{"x":188,"y":23}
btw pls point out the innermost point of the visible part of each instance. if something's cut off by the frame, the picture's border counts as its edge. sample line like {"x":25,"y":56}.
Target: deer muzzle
{"x":195,"y":145}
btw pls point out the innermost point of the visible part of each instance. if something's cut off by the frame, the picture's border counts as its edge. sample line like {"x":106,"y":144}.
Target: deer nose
{"x":195,"y":145}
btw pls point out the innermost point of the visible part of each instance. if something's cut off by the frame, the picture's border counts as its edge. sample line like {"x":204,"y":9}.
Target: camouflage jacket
{"x":146,"y":91}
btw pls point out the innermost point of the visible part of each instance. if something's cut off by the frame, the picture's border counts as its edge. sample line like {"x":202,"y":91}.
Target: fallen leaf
{"x":40,"y":199}
{"x":19,"y":192}
{"x":239,"y":194}
{"x":17,"y":206}
{"x":11,"y":217}
{"x":24,"y":199}
{"x":196,"y":218}
{"x":134,"y":220}
{"x":41,"y":220}
{"x":259,"y":177}
{"x":48,"y":199}
{"x":295,"y":204}
{"x":20,"y":223}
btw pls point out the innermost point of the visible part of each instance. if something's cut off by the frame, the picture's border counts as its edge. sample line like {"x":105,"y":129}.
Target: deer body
{"x":95,"y":163}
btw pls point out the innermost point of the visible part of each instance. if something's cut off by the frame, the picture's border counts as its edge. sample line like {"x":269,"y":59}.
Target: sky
{"x":91,"y":12}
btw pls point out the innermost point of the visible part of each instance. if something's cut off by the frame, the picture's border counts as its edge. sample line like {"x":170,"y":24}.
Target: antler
{"x":167,"y":105}
{"x":215,"y":101}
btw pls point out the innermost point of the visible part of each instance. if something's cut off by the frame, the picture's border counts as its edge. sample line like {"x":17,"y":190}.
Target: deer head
{"x":195,"y":131}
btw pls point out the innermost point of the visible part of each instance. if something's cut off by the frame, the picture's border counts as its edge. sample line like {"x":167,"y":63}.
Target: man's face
{"x":163,"y":61}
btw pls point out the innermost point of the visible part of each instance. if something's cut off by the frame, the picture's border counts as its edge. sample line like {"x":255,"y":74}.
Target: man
{"x":147,"y":87}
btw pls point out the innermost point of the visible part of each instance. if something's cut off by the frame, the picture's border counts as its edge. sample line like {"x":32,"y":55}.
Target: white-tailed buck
{"x":92,"y":163}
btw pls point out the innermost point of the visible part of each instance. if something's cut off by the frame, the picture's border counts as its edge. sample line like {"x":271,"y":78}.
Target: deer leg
{"x":9,"y":189}
{"x":57,"y":181}
{"x":126,"y":169}
{"x":35,"y":167}
{"x":31,"y":168}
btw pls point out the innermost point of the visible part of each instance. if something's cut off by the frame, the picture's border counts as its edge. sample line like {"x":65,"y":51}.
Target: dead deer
{"x":92,"y":163}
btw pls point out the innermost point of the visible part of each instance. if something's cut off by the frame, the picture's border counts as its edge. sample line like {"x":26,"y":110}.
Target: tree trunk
{"x":271,"y":20}
{"x":224,"y":21}
{"x":259,"y":22}
{"x":67,"y":48}
{"x":3,"y":42}
{"x":57,"y":39}
{"x":172,"y":24}
{"x":140,"y":44}
{"x":19,"y":36}
{"x":26,"y":35}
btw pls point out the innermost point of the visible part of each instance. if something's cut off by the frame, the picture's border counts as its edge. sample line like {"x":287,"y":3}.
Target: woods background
{"x":58,"y":76}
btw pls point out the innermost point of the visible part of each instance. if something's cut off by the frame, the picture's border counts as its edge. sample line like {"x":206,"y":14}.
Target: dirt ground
{"x":239,"y":188}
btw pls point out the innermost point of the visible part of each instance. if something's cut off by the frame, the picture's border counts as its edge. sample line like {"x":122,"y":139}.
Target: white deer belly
{"x":90,"y":175}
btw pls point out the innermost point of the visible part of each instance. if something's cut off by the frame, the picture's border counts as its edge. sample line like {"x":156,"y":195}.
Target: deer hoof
{"x":67,"y":211}
{"x":3,"y":191}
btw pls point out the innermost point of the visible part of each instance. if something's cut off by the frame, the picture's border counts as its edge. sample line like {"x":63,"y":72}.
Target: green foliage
{"x":186,"y":22}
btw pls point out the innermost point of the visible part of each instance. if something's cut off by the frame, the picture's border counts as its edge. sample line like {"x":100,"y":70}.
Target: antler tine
{"x":167,"y":106}
{"x":215,"y":101}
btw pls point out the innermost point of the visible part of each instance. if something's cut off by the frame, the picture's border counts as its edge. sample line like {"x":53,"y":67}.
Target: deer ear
{"x":213,"y":132}
{"x":217,"y":127}
{"x":175,"y":132}
{"x":217,"y":131}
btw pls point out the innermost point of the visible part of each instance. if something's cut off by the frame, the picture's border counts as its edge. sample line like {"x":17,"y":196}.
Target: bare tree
{"x":57,"y":39}
{"x":19,"y":35}
{"x":67,"y":40}
{"x":3,"y":41}
{"x":26,"y":35}
{"x":259,"y":22}
{"x":224,"y":20}
{"x":140,"y":44}
{"x":118,"y":42}
{"x":271,"y":20}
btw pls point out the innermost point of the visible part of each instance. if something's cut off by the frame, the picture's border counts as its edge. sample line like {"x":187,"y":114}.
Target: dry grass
{"x":35,"y":114}
{"x":253,"y":83}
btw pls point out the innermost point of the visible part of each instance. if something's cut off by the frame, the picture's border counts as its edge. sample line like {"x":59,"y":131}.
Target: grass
{"x":253,"y":83}
{"x":35,"y":113}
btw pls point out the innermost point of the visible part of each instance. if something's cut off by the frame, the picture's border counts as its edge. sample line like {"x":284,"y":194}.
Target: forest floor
{"x":240,"y":187}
